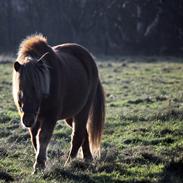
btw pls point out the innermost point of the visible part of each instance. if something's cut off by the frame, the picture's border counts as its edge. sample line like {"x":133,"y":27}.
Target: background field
{"x":143,"y":135}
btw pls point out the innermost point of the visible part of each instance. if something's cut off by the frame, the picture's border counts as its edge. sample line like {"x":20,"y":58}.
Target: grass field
{"x":143,"y":135}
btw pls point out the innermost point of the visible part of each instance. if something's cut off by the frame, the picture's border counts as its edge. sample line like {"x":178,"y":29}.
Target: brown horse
{"x":61,"y":82}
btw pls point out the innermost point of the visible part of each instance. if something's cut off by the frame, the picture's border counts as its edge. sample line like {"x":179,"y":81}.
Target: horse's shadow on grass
{"x":5,"y":177}
{"x":61,"y":174}
{"x":81,"y":171}
{"x":173,"y":172}
{"x":75,"y":171}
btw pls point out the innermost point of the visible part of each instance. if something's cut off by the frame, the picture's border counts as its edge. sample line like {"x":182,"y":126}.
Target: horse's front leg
{"x":33,"y":133}
{"x":43,"y":137}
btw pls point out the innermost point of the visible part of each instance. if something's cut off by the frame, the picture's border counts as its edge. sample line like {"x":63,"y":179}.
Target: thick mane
{"x":32,"y":75}
{"x":34,"y":46}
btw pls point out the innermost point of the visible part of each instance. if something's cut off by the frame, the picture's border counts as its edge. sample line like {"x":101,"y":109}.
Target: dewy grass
{"x":143,"y":134}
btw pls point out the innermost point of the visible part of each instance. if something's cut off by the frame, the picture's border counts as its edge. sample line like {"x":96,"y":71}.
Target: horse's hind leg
{"x":86,"y":147}
{"x":78,"y":133}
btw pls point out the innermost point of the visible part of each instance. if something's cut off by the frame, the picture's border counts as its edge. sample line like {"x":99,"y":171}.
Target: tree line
{"x":105,"y":27}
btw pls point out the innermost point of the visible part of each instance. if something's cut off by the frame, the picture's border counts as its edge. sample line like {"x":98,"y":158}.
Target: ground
{"x":143,"y":135}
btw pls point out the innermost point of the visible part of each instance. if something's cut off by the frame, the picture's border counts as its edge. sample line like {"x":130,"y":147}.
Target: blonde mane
{"x":30,"y":50}
{"x":34,"y":46}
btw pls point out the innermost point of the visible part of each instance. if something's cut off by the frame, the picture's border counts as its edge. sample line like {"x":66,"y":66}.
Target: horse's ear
{"x":40,"y":60}
{"x":17,"y":66}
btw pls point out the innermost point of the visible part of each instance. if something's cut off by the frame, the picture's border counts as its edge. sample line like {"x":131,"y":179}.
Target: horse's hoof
{"x":88,"y":159}
{"x":38,"y":168}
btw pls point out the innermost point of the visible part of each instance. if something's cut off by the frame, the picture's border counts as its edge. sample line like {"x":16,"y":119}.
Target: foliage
{"x":110,"y":26}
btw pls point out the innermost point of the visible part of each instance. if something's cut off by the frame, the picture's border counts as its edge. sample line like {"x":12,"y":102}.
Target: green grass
{"x":143,"y":135}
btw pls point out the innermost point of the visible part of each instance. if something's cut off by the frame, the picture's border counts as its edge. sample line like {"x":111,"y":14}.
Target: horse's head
{"x":30,"y":84}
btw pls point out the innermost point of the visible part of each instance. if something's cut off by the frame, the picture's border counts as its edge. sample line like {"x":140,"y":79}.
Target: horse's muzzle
{"x":28,"y":120}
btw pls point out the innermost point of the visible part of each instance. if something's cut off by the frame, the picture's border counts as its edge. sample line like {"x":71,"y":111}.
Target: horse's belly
{"x":75,"y":98}
{"x":73,"y":106}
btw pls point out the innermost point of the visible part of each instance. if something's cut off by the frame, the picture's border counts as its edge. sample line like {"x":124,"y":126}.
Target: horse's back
{"x":79,"y":52}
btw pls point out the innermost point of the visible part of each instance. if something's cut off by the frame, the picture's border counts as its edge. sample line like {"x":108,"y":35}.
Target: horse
{"x":58,"y":83}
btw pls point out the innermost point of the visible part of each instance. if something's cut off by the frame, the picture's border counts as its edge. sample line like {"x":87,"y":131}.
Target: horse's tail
{"x":96,"y":120}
